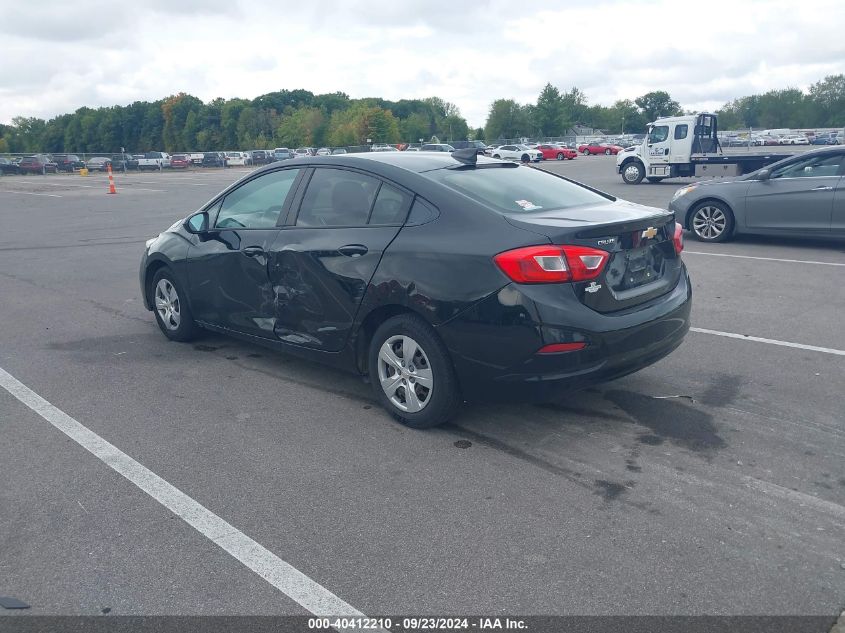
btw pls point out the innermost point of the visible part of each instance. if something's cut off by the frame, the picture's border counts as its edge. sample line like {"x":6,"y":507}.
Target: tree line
{"x":289,"y":118}
{"x":295,"y":118}
{"x":557,"y":112}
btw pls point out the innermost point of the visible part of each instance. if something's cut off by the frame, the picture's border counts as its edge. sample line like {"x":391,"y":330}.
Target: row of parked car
{"x":54,"y":163}
{"x":829,"y":138}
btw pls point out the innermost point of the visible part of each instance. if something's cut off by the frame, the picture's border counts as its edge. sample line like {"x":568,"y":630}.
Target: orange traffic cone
{"x":111,"y":181}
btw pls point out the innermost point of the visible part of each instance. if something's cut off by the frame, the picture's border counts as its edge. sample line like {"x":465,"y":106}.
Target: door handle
{"x":353,"y":250}
{"x":253,"y":251}
{"x":822,"y":188}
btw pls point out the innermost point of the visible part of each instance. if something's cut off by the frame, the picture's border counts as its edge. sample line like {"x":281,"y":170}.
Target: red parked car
{"x":598,"y":148}
{"x":179,"y":161}
{"x":38,"y":164}
{"x":556,"y":152}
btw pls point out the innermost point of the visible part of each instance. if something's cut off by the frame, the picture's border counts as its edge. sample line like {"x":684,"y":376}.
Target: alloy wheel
{"x":709,"y":222}
{"x":167,"y":304}
{"x":405,"y":374}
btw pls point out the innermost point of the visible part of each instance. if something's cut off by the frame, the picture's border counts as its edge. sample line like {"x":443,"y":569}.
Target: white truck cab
{"x":684,"y":146}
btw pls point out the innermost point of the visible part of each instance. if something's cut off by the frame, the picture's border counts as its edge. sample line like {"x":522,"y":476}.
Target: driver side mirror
{"x":764,"y":174}
{"x":197,"y":223}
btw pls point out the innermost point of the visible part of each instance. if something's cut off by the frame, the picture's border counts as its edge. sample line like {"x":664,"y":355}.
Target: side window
{"x":258,"y":203}
{"x":337,"y":197}
{"x":812,"y":167}
{"x":391,"y":206}
{"x":659,"y":133}
{"x":681,"y":131}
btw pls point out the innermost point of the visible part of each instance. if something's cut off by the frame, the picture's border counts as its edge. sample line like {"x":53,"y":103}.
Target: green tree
{"x":657,"y":104}
{"x":548,"y":114}
{"x":828,"y":98}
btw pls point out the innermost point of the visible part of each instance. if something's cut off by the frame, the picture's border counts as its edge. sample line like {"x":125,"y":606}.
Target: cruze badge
{"x":609,"y":240}
{"x":593,"y":287}
{"x":649,"y":233}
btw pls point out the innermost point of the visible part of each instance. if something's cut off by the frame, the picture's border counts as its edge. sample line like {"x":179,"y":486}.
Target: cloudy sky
{"x":59,"y":56}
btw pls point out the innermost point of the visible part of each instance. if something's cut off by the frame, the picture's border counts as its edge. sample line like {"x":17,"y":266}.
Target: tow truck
{"x":684,"y":146}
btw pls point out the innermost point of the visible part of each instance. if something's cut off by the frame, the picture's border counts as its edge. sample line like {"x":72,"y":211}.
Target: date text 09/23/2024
{"x":415,"y":624}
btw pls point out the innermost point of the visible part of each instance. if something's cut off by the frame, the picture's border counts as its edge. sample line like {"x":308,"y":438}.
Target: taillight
{"x":552,"y":264}
{"x":560,"y":348}
{"x":678,"y":238}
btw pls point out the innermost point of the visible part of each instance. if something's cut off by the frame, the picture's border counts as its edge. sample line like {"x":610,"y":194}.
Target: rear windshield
{"x":516,"y":189}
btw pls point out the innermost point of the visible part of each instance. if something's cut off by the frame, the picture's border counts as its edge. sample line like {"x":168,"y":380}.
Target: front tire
{"x":586,"y":152}
{"x":411,"y":373}
{"x":526,"y":158}
{"x":559,"y":156}
{"x":497,"y":156}
{"x":607,"y":152}
{"x":172,"y":312}
{"x":711,"y":221}
{"x":633,"y":172}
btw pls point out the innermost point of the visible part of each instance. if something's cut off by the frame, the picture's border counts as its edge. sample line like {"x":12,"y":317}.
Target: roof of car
{"x":412,"y":161}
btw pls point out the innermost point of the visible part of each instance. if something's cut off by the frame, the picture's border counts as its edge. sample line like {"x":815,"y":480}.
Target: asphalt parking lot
{"x":710,"y":483}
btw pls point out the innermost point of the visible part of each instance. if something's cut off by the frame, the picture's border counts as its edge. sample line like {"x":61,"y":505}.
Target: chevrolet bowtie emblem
{"x":649,"y":233}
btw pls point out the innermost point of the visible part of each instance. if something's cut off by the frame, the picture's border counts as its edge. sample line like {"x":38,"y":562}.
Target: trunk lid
{"x":642,"y":265}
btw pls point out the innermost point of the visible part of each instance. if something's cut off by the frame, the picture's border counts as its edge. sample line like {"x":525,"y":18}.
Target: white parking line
{"x":770,"y":341}
{"x":30,"y":193}
{"x":286,"y":578}
{"x":768,"y":259}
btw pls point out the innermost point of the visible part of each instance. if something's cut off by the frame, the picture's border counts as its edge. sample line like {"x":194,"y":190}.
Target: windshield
{"x":516,"y":189}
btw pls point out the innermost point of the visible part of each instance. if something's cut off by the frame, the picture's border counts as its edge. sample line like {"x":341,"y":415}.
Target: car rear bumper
{"x":494,"y":344}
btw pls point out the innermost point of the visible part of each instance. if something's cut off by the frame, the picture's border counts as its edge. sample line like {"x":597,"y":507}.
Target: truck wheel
{"x":633,"y":172}
{"x":654,"y":179}
{"x":711,"y":221}
{"x":607,"y":152}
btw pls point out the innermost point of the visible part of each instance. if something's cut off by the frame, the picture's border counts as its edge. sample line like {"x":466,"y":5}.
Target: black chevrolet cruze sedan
{"x":442,"y":277}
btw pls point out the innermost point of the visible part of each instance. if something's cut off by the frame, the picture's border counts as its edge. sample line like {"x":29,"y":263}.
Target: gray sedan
{"x":801,"y":196}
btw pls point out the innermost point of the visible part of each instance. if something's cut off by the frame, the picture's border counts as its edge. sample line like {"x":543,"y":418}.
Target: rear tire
{"x":711,"y":221}
{"x":172,"y":312}
{"x":526,"y":158}
{"x":559,"y":156}
{"x":497,"y":156}
{"x":427,"y":374}
{"x":607,"y":152}
{"x":633,"y":172}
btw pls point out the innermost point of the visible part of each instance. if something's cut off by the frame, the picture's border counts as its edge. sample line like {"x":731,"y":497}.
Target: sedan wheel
{"x":168,"y":304}
{"x":404,"y":373}
{"x":607,"y":152}
{"x":559,"y":156}
{"x":411,"y":372}
{"x":586,"y":152}
{"x":712,"y":222}
{"x":172,"y":312}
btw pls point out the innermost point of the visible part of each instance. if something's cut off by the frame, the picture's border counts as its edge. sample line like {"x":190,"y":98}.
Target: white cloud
{"x":57,"y":59}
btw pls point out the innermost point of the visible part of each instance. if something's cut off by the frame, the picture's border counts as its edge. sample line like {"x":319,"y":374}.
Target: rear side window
{"x":337,"y":197}
{"x":258,"y":203}
{"x":516,"y":189}
{"x":681,"y":131}
{"x":391,"y":206}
